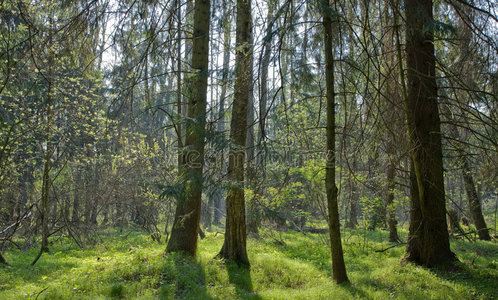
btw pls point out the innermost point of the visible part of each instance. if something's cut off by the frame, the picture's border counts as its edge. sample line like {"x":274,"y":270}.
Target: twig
{"x":38,"y":295}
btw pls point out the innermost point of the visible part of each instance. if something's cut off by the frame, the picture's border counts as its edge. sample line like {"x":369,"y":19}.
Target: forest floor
{"x":291,"y":265}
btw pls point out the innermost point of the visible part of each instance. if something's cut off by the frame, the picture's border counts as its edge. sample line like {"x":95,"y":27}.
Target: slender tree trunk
{"x":46,"y":182}
{"x":219,"y":192}
{"x":263,"y":94}
{"x":353,"y":196}
{"x":391,"y":208}
{"x":338,"y":266}
{"x":425,"y":139}
{"x":252,"y":206}
{"x":474,"y":203}
{"x":469,"y":185}
{"x":234,"y":246}
{"x":179,"y":133}
{"x":392,"y":116}
{"x":186,"y":223}
{"x":2,"y":259}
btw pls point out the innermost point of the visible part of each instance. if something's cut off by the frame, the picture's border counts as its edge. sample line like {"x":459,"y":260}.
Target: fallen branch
{"x":395,"y":245}
{"x":26,"y":214}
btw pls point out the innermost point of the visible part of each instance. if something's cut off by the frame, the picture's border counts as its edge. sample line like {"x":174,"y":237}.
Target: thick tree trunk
{"x":234,"y":246}
{"x":338,"y":266}
{"x":186,"y":223}
{"x":432,"y":245}
{"x":415,"y":232}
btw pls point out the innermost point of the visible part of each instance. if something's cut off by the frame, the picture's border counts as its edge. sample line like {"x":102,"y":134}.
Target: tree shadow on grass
{"x":480,"y":279}
{"x":183,"y":278}
{"x":240,"y":277}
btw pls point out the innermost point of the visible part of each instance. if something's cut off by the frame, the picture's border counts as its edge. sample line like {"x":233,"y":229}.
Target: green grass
{"x":131,"y":266}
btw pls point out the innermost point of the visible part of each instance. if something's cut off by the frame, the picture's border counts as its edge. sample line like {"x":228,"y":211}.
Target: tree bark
{"x":474,"y":203}
{"x":219,"y":192}
{"x":353,"y":197}
{"x":390,"y":206}
{"x":428,"y":242}
{"x":338,"y":266}
{"x":46,"y":181}
{"x":186,"y":223}
{"x":234,"y":246}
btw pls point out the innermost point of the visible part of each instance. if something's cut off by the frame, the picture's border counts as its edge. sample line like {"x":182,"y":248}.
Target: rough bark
{"x":234,"y":246}
{"x":428,"y":242}
{"x":186,"y":223}
{"x":338,"y":267}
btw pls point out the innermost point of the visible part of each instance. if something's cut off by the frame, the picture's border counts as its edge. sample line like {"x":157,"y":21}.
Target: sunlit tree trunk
{"x":428,"y":241}
{"x":338,"y":266}
{"x":186,"y":223}
{"x":219,"y":192}
{"x":234,"y":246}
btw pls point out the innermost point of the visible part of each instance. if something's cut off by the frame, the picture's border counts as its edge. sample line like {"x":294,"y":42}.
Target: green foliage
{"x":373,"y":212}
{"x":131,"y":266}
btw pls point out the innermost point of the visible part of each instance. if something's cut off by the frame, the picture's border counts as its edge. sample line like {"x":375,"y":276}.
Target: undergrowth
{"x":292,"y":265}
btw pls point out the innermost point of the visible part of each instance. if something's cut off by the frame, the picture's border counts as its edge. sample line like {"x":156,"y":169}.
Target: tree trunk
{"x":415,"y":233}
{"x":219,"y":190}
{"x":474,"y":203}
{"x":186,"y":223}
{"x":338,"y":266}
{"x":391,"y":208}
{"x":455,"y":227}
{"x":353,"y":195}
{"x":46,"y":181}
{"x":252,"y":206}
{"x":179,"y":105}
{"x":431,"y":245}
{"x":234,"y":246}
{"x":2,"y":259}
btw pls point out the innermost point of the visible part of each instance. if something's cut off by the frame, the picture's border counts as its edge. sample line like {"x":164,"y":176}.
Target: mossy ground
{"x":130,"y":265}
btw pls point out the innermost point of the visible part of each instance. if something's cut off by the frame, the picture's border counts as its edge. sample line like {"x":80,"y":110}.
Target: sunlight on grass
{"x":131,"y":266}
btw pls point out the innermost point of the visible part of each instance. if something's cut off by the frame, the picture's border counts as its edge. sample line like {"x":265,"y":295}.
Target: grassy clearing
{"x":130,"y":266}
